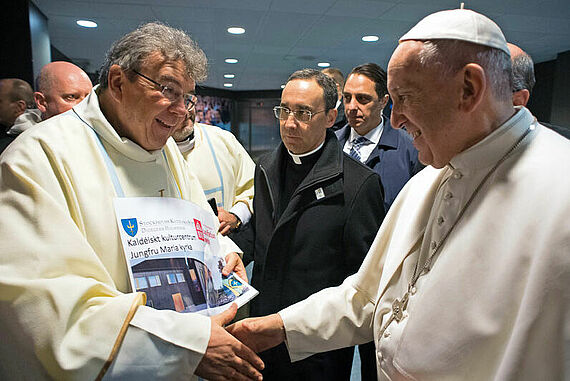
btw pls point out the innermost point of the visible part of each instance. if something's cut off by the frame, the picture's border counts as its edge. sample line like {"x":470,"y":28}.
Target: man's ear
{"x":384,"y":100}
{"x":474,"y":85}
{"x":331,"y":117}
{"x":41,"y":102}
{"x":520,"y":98}
{"x":21,"y":106}
{"x":116,"y":80}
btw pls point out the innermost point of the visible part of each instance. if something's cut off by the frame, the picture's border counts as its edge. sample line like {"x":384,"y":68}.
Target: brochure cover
{"x":173,"y":256}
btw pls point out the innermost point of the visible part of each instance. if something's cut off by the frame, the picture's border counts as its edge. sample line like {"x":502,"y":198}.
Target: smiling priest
{"x":67,"y":309}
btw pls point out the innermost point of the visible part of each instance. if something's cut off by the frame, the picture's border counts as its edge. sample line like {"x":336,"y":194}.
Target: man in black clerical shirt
{"x":317,"y":211}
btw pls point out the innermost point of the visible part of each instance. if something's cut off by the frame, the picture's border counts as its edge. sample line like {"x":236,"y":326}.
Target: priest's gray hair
{"x":131,"y":51}
{"x":324,"y":81}
{"x":449,"y":56}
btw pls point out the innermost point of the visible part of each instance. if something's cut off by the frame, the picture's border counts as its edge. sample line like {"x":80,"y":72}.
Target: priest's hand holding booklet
{"x":175,"y":257}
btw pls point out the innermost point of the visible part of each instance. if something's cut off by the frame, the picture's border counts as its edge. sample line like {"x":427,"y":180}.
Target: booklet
{"x":173,"y":255}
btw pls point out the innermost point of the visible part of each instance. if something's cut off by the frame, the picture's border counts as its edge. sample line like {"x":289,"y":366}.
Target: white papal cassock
{"x":494,"y":305}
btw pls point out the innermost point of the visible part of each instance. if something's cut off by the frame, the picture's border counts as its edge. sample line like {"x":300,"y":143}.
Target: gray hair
{"x":324,"y":81}
{"x":131,"y":51}
{"x":449,"y":56}
{"x":523,"y":72}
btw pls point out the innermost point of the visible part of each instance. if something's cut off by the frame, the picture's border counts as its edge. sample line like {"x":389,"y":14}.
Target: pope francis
{"x":468,"y":276}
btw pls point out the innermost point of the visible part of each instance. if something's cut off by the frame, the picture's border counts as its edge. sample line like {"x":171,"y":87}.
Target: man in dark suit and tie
{"x":370,"y":138}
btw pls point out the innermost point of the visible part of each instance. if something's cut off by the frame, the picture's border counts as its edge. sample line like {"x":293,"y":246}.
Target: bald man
{"x":523,"y":75}
{"x":16,"y":96}
{"x":524,"y":81}
{"x":16,"y":99}
{"x":61,"y":85}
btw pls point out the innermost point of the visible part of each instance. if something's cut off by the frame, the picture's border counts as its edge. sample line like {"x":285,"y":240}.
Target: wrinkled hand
{"x":226,"y":358}
{"x":261,"y":333}
{"x":227,"y":220}
{"x":235,"y":264}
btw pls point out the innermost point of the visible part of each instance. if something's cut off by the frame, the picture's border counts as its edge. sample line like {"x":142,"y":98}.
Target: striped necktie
{"x":357,"y":144}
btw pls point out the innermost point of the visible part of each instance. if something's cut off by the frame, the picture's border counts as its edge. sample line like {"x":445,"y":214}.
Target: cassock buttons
{"x":448,"y":195}
{"x":458,"y":175}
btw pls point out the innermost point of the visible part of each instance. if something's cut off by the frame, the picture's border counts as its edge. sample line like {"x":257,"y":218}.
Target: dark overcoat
{"x":320,"y":238}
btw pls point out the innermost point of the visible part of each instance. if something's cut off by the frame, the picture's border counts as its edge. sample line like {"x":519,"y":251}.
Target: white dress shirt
{"x":373,"y":136}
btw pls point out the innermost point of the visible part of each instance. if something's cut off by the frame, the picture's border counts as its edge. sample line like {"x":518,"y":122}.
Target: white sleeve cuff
{"x":241,"y":210}
{"x":144,"y":356}
{"x":187,"y":330}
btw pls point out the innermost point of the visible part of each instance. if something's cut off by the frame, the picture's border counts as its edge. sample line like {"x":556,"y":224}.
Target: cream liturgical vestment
{"x":223,"y":167}
{"x":493,"y":304}
{"x":66,"y":305}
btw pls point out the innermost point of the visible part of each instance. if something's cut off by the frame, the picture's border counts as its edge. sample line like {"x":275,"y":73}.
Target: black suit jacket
{"x":394,"y":158}
{"x":5,"y":139}
{"x":321,"y":237}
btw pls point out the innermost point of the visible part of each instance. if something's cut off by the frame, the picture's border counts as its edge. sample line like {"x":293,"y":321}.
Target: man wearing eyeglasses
{"x":316,"y":214}
{"x":67,"y":308}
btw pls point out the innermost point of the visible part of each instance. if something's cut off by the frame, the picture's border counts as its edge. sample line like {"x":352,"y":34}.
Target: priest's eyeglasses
{"x":173,"y":93}
{"x":303,"y":116}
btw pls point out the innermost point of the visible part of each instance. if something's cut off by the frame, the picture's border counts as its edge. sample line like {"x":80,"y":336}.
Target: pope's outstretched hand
{"x":259,"y":334}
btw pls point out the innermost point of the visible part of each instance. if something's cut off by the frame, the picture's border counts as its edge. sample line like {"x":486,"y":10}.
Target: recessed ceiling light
{"x":370,"y":38}
{"x":282,"y":86}
{"x":228,"y":84}
{"x":323,"y":64}
{"x":229,"y":75}
{"x":87,"y":23}
{"x":236,"y":30}
{"x":231,"y":60}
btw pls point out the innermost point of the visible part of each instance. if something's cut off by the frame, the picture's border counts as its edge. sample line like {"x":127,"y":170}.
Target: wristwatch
{"x":238,"y":224}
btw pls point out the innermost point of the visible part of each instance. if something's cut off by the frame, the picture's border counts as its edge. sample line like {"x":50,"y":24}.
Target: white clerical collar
{"x":297,"y":158}
{"x":187,"y":144}
{"x":373,"y":135}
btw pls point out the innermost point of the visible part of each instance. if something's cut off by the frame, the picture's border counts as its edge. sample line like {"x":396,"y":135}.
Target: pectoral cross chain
{"x":398,"y":308}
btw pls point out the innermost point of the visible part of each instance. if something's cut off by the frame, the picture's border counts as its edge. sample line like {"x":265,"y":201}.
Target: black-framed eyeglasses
{"x":304,"y":116}
{"x":172,"y":93}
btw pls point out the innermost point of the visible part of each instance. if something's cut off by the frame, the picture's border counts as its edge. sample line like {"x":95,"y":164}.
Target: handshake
{"x":231,"y":350}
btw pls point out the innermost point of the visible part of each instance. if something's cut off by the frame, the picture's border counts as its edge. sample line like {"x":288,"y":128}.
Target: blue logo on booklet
{"x":130,"y":225}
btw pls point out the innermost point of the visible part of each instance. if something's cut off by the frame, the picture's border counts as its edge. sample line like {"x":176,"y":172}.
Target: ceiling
{"x":286,"y":35}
